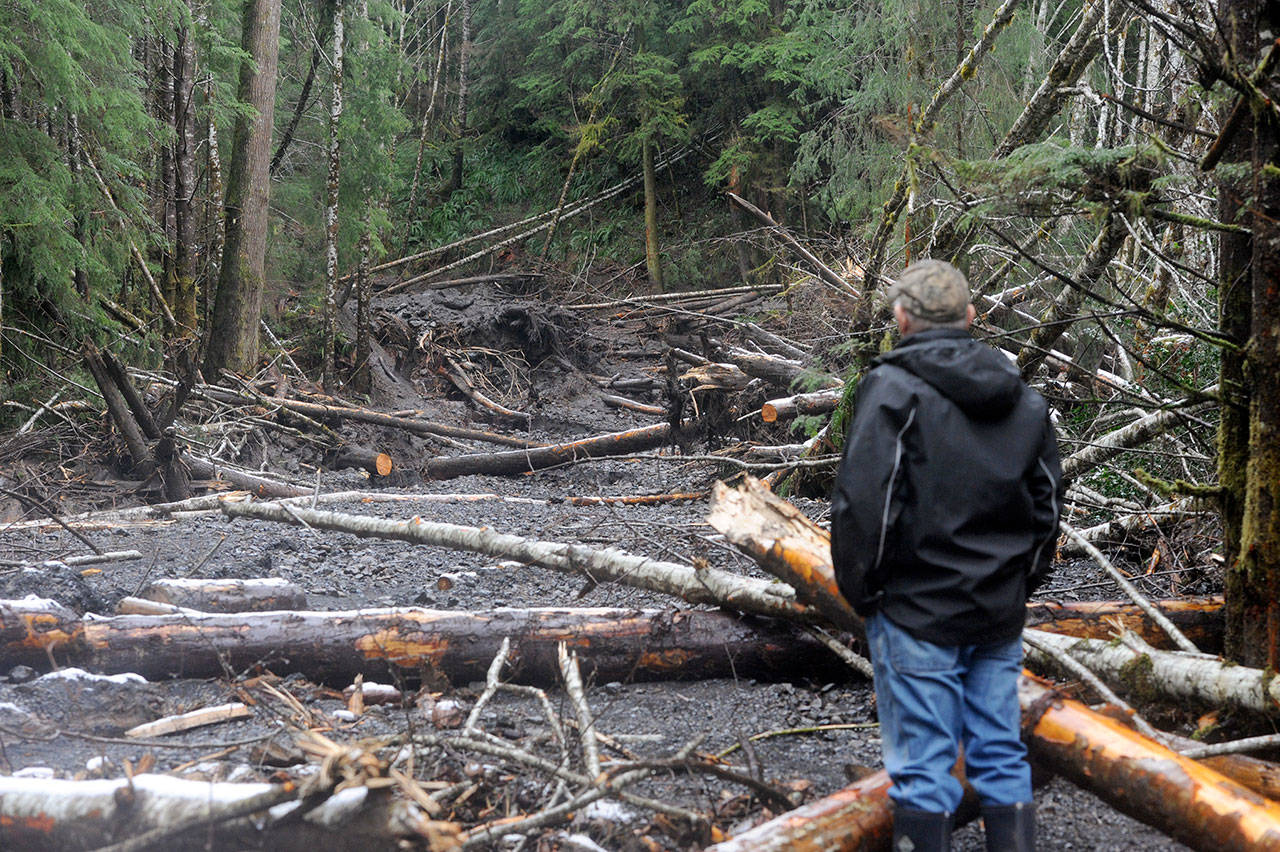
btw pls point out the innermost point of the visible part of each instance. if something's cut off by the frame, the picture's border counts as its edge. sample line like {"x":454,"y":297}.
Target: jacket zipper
{"x":888,"y":496}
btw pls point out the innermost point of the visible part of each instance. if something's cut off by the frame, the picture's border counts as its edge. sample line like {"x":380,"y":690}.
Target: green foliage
{"x":748,"y":74}
{"x":72,"y":86}
{"x":1056,"y":165}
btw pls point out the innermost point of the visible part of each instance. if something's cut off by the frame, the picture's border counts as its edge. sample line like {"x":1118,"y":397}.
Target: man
{"x":943,"y":521}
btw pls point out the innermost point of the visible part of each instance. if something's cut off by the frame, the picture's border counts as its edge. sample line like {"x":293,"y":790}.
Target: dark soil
{"x":71,"y":727}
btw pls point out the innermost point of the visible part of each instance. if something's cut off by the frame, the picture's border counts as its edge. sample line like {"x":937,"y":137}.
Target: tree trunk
{"x":653,"y":262}
{"x":1065,"y":307}
{"x":185,"y":249}
{"x":76,"y":167}
{"x":329,"y":355}
{"x":286,"y":138}
{"x":446,"y":14}
{"x":464,"y":82}
{"x":361,"y":379}
{"x":1185,"y":679}
{"x":364,"y":415}
{"x":1249,"y":449}
{"x":1199,"y":619}
{"x":215,"y":224}
{"x":697,"y":585}
{"x":237,"y":308}
{"x":611,"y":644}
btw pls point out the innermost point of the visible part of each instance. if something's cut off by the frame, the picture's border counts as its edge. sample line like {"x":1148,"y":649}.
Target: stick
{"x":586,"y":723}
{"x":187,"y":721}
{"x":826,"y":273}
{"x":1129,"y":589}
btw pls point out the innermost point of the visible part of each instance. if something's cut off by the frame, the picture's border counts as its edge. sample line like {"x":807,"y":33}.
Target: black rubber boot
{"x":1010,"y":828}
{"x":921,"y":831}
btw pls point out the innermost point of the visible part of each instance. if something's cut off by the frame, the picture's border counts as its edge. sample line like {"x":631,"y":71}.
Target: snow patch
{"x":81,"y":674}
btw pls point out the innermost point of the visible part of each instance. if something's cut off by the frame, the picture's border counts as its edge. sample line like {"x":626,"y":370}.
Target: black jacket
{"x":945,"y":509}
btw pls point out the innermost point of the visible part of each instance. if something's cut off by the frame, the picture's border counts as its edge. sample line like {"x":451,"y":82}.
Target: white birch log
{"x":695,"y":585}
{"x":1127,"y":437}
{"x":1136,"y":667}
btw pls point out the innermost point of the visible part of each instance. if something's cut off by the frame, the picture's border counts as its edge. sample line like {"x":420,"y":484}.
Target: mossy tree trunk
{"x":237,"y":307}
{"x":653,"y":261}
{"x":1249,"y":438}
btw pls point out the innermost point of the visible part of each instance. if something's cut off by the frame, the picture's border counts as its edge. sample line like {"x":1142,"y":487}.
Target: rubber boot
{"x":1010,"y":828}
{"x":921,"y":831}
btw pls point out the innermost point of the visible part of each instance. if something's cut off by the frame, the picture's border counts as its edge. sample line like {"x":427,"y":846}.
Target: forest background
{"x":176,"y":175}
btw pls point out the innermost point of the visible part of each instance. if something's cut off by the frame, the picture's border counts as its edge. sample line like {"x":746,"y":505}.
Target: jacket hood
{"x":979,"y":380}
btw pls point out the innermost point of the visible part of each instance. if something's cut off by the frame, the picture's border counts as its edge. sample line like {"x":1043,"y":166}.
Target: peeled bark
{"x":1199,"y":619}
{"x":857,"y":818}
{"x":611,"y":644}
{"x":785,"y":542}
{"x":539,"y":458}
{"x":1151,"y":783}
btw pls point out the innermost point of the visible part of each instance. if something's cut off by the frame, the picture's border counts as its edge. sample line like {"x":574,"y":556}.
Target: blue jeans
{"x":930,"y":698}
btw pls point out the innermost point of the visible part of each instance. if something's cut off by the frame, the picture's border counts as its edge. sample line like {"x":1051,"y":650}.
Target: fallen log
{"x":713,"y":376}
{"x":614,"y":401}
{"x":1150,"y":782}
{"x":697,"y":585}
{"x":374,"y":462}
{"x":784,"y":408}
{"x":785,"y":542}
{"x":458,"y":377}
{"x":826,"y":273}
{"x":1189,"y":801}
{"x":39,"y":814}
{"x":408,"y":421}
{"x":783,"y":372}
{"x":1134,"y":434}
{"x":1139,"y":669}
{"x":611,"y":644}
{"x":1200,"y":619}
{"x":187,"y":721}
{"x":791,"y":547}
{"x":1131,"y":772}
{"x":261,"y":594}
{"x":857,"y":818}
{"x":259,"y":486}
{"x":542,"y":457}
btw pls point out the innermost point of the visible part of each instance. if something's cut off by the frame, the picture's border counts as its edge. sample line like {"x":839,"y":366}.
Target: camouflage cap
{"x":932,"y":290}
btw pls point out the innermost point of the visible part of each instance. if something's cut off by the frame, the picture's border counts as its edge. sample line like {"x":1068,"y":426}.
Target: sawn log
{"x":611,"y":644}
{"x":539,"y":458}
